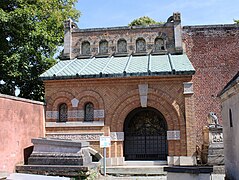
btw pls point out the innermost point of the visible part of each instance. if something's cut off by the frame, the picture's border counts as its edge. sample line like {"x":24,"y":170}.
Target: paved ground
{"x":214,"y":177}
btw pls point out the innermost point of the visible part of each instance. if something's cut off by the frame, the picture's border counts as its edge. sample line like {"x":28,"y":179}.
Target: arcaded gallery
{"x":133,"y":84}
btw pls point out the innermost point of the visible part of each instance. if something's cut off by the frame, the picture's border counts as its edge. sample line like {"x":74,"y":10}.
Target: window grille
{"x":89,"y":112}
{"x":63,"y":112}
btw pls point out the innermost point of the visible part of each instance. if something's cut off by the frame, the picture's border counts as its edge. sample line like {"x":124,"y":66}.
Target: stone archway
{"x":145,"y":132}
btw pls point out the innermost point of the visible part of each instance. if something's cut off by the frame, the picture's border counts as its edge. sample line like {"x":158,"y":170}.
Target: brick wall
{"x":213,"y":51}
{"x":118,"y":97}
{"x":21,"y":120}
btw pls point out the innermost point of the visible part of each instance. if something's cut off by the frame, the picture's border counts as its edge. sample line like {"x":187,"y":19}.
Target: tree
{"x":236,"y":21}
{"x":144,"y":21}
{"x":30,"y":32}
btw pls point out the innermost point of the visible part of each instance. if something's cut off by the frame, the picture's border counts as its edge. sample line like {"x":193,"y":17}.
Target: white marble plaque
{"x":173,"y":135}
{"x":76,"y":114}
{"x":52,"y":114}
{"x":117,"y":136}
{"x":85,"y":137}
{"x":74,"y":102}
{"x":99,"y":113}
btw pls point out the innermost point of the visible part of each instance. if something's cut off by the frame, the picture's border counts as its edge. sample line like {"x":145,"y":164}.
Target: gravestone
{"x":60,"y":158}
{"x":59,"y":152}
{"x":216,"y":147}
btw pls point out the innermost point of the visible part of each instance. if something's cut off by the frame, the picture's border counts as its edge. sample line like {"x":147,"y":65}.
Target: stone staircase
{"x":146,"y":168}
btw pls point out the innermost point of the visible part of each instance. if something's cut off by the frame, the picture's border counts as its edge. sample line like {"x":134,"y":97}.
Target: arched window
{"x":140,"y":45}
{"x":103,"y":47}
{"x":85,"y":48}
{"x":89,"y":112}
{"x":122,"y":46}
{"x":159,"y":44}
{"x":63,"y":109}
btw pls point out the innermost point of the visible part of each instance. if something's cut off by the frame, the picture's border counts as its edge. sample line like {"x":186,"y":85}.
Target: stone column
{"x":67,"y":39}
{"x":177,"y":32}
{"x":190,"y":118}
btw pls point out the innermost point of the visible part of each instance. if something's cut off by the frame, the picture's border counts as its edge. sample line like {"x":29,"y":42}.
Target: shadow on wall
{"x":27,"y":152}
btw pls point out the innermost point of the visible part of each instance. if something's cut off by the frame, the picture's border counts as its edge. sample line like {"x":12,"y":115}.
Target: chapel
{"x":135,"y":84}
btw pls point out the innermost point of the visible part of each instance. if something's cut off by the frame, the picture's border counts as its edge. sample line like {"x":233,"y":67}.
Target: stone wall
{"x":213,"y":51}
{"x":21,"y":120}
{"x":164,"y":38}
{"x":230,"y":115}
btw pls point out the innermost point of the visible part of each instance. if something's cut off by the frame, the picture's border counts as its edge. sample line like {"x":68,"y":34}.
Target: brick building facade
{"x":135,"y":84}
{"x":213,"y":51}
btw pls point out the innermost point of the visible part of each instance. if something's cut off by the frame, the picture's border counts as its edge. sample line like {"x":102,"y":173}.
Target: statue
{"x":213,"y":120}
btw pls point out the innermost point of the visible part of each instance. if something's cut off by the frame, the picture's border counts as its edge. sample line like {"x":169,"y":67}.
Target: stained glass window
{"x":63,"y":112}
{"x":122,"y":46}
{"x":159,"y":44}
{"x":85,"y":48}
{"x":89,"y":112}
{"x":103,"y":47}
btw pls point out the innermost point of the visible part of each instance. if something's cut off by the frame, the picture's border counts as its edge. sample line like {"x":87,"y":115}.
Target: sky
{"x":110,"y":13}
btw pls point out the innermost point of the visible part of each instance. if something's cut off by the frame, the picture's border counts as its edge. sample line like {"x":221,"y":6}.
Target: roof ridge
{"x":170,"y":62}
{"x":149,"y":63}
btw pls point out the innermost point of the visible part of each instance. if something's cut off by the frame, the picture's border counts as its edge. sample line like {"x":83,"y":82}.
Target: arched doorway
{"x":145,"y":132}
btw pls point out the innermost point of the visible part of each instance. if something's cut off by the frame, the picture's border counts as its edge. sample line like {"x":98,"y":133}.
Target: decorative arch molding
{"x":61,"y":100}
{"x":90,"y":96}
{"x":86,"y":39}
{"x":156,"y":99}
{"x":163,"y":103}
{"x":59,"y":97}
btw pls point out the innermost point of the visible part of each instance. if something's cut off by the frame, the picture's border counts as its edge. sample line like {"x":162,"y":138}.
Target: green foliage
{"x":236,"y":21}
{"x":30,"y":32}
{"x":144,"y":21}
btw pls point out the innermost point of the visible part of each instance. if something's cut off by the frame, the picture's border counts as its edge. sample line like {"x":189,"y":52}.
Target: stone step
{"x":135,"y":170}
{"x":219,"y":169}
{"x":110,"y":177}
{"x":145,"y":163}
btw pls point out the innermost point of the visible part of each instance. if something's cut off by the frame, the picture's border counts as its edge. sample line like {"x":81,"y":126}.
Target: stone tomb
{"x":59,"y":157}
{"x":59,"y":152}
{"x":216,"y":147}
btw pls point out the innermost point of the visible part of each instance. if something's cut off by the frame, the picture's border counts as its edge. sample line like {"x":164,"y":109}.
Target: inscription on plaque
{"x":52,"y":114}
{"x":99,"y":113}
{"x":173,"y":135}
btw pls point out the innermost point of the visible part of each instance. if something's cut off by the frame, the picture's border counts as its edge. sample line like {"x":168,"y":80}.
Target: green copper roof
{"x":147,"y":65}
